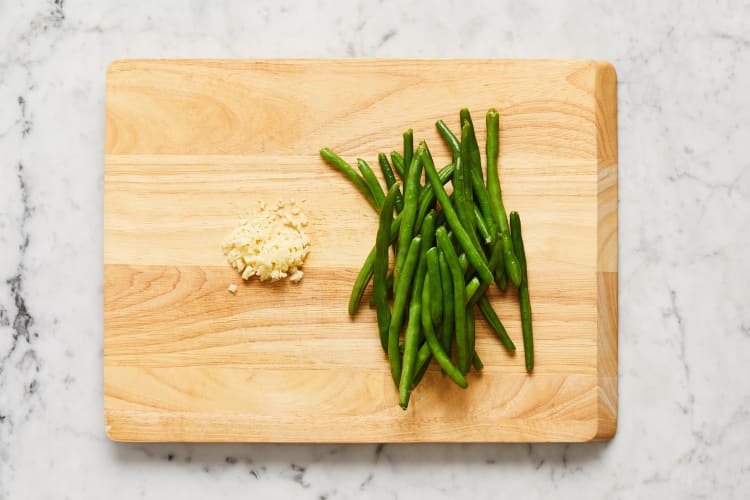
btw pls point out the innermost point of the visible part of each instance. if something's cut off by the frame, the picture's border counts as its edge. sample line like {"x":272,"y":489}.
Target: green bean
{"x":483,"y":199}
{"x":372,"y":182}
{"x":463,"y":262}
{"x":338,"y":163}
{"x":380,"y":268}
{"x":411,"y":347}
{"x":388,"y":285}
{"x":390,"y":180}
{"x":360,"y":283}
{"x":523,"y":291}
{"x":463,"y":198}
{"x":365,"y":273}
{"x":497,"y":326}
{"x":408,"y":150}
{"x":472,"y":177}
{"x":476,"y":157}
{"x":470,"y":332}
{"x":477,"y":362}
{"x":470,"y":289}
{"x":496,"y":257}
{"x":427,"y":231}
{"x":459,"y":310}
{"x":398,"y":163}
{"x":512,"y":269}
{"x":399,"y":306}
{"x":423,"y":362}
{"x":436,"y":304}
{"x":512,"y":266}
{"x":450,"y":139}
{"x":474,"y":255}
{"x":408,"y":215}
{"x":427,"y":195}
{"x":501,"y":279}
{"x":482,"y":227}
{"x":437,"y":350}
{"x":446,"y":329}
{"x":477,"y":181}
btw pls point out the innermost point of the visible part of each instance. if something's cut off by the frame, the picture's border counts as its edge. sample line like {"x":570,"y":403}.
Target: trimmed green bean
{"x":482,"y":227}
{"x":470,"y":289}
{"x":501,"y":279}
{"x":408,"y":150}
{"x":433,"y":269}
{"x":496,"y":257}
{"x":411,"y":340}
{"x":474,"y":255}
{"x":497,"y":326}
{"x":446,"y":328}
{"x":398,"y":163}
{"x":428,"y":232}
{"x":456,"y":374}
{"x":459,"y":310}
{"x":470,"y":332}
{"x":476,"y":157}
{"x":472,"y":177}
{"x":372,"y":182}
{"x":477,"y":362}
{"x":512,"y":266}
{"x":390,"y":180}
{"x":464,"y":199}
{"x":477,"y":181}
{"x":408,"y":215}
{"x":463,"y":261}
{"x":360,"y":283}
{"x":380,"y":268}
{"x":450,"y":139}
{"x":427,"y":196}
{"x":399,"y":306}
{"x":423,"y":362}
{"x":523,"y":291}
{"x":389,"y":286}
{"x":338,"y":163}
{"x":365,"y":273}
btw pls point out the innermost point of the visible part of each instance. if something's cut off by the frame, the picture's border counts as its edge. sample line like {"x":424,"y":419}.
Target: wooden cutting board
{"x":192,"y":146}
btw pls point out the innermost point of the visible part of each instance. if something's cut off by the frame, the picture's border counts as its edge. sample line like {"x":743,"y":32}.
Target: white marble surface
{"x":684,"y":100}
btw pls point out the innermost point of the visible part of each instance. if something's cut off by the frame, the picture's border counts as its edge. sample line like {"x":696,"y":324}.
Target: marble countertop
{"x":684,"y":109}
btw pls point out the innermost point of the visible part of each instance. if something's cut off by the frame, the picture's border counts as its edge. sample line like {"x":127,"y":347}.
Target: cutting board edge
{"x":607,"y":249}
{"x":148,"y":427}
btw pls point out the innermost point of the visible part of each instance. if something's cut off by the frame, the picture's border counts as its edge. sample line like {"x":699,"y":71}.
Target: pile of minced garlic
{"x":273,"y":245}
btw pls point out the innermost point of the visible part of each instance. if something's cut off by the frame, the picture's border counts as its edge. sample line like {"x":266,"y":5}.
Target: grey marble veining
{"x":684,"y":109}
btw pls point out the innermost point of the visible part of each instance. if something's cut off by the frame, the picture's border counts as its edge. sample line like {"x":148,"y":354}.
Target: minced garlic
{"x":271,"y":246}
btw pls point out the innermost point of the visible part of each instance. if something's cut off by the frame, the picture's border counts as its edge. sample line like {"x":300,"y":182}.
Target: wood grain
{"x":192,"y":146}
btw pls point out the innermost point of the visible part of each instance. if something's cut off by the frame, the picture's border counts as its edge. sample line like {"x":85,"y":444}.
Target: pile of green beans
{"x":447,"y":252}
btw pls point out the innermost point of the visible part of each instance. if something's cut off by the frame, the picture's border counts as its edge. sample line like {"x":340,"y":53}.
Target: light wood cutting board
{"x":192,"y":146}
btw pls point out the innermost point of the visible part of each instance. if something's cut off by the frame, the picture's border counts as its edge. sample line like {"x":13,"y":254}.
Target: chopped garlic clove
{"x":271,"y":246}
